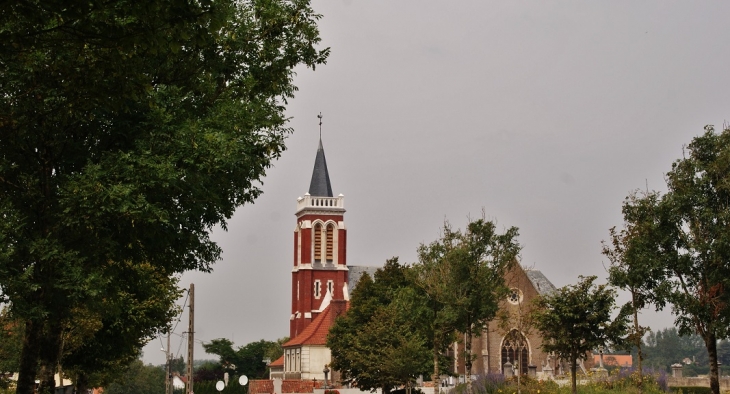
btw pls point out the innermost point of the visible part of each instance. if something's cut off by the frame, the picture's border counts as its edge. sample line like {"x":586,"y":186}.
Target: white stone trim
{"x":320,"y":203}
{"x":325,"y":302}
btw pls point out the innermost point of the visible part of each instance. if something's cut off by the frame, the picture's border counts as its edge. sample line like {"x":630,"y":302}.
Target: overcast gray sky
{"x":547,"y":114}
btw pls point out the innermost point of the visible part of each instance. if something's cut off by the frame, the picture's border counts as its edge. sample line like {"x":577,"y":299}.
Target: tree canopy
{"x":130,"y":129}
{"x":246,"y":360}
{"x":686,"y":245}
{"x":576,"y":319}
{"x":462,"y":275}
{"x":378,"y":343}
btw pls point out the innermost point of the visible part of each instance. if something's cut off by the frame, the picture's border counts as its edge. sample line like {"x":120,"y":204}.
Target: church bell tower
{"x":319,"y":274}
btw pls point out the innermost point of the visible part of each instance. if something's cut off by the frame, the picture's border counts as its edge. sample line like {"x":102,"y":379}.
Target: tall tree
{"x":635,"y":267}
{"x":690,"y":238}
{"x":378,"y":343}
{"x":471,"y":265}
{"x":576,"y":319}
{"x":129,"y":130}
{"x":479,"y":264}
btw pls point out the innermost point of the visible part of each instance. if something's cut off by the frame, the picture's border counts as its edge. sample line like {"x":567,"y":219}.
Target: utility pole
{"x":168,"y":371}
{"x":191,"y":339}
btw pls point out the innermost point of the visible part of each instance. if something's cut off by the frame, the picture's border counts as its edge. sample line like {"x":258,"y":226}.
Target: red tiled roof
{"x":278,"y":363}
{"x":316,"y":332}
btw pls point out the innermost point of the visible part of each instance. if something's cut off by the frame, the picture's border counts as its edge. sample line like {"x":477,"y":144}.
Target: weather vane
{"x":320,"y":125}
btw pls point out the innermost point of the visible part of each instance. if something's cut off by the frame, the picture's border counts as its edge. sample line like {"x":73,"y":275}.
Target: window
{"x":331,"y":287}
{"x":515,"y":349}
{"x":317,"y":242}
{"x":317,"y":288}
{"x":515,"y":296}
{"x":330,"y":243}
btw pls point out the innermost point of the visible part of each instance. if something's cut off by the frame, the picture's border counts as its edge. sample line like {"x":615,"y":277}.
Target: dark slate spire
{"x":320,"y":185}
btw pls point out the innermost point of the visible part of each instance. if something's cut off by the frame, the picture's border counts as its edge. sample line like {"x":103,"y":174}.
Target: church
{"x":321,"y":281}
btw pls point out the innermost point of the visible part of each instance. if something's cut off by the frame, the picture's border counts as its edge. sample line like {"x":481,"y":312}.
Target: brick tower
{"x":319,"y":274}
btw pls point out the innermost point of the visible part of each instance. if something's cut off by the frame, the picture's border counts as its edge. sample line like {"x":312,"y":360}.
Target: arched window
{"x":515,"y":349}
{"x":317,"y":243}
{"x":330,"y":243}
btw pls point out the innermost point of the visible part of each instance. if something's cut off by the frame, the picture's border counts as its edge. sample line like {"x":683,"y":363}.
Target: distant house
{"x":178,"y":382}
{"x":622,"y":360}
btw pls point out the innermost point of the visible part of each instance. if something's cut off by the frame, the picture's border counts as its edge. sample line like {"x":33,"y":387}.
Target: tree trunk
{"x":29,"y":358}
{"x":638,"y":341}
{"x":711,"y":344}
{"x":573,"y":373}
{"x":82,"y":383}
{"x":435,"y":377}
{"x":50,"y":356}
{"x":467,"y":359}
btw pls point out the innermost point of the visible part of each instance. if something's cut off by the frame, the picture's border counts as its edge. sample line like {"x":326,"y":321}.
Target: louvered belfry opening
{"x":317,"y":243}
{"x":330,"y":243}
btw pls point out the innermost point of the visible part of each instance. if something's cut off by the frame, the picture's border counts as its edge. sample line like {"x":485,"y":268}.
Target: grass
{"x":625,"y":381}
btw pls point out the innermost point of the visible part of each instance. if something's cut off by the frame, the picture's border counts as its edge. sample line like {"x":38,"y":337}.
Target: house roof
{"x":320,"y":185}
{"x":316,"y":332}
{"x":279,"y":362}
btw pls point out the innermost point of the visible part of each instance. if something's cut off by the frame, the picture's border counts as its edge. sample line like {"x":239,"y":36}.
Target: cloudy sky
{"x":545,"y":114}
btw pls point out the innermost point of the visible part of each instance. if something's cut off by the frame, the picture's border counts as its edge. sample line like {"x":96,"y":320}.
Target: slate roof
{"x":320,"y":185}
{"x":355,"y":272}
{"x":541,"y":283}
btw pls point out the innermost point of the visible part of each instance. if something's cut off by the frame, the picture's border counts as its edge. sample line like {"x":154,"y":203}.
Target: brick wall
{"x":287,"y":386}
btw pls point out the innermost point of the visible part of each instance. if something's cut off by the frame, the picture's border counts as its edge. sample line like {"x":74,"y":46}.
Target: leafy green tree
{"x":690,"y":238}
{"x":178,"y":365}
{"x":635,"y":267}
{"x":11,"y":341}
{"x":129,"y":130}
{"x":438,"y":317}
{"x":96,"y":345}
{"x":138,"y":378}
{"x":666,"y":347}
{"x":576,"y":319}
{"x":378,"y":344}
{"x":246,"y":360}
{"x":463,"y":272}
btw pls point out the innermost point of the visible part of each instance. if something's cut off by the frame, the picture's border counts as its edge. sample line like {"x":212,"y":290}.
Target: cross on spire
{"x":320,"y":125}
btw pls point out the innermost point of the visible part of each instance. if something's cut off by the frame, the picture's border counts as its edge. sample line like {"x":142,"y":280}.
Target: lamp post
{"x":326,"y":370}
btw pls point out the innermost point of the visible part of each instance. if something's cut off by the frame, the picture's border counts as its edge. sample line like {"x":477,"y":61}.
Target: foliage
{"x":666,"y":347}
{"x":462,"y":275}
{"x":129,"y":130}
{"x":11,"y":341}
{"x":626,"y":382}
{"x":178,"y":365}
{"x":576,"y":319}
{"x":378,"y":343}
{"x":635,"y":268}
{"x":138,"y":378}
{"x":208,"y":372}
{"x":690,"y":240}
{"x":97,"y":344}
{"x":246,"y":360}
